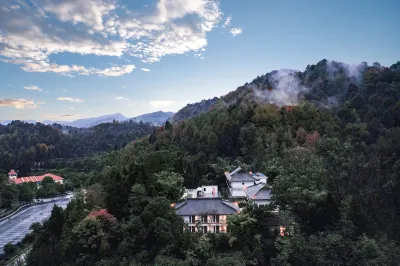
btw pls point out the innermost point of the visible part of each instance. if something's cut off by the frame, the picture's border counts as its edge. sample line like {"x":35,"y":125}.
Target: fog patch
{"x":282,"y":87}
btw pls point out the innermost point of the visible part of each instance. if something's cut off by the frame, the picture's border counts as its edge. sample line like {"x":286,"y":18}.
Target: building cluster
{"x":14,"y":179}
{"x":203,"y":209}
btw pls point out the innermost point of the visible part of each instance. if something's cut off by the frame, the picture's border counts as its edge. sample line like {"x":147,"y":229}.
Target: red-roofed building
{"x":35,"y":179}
{"x":12,"y":174}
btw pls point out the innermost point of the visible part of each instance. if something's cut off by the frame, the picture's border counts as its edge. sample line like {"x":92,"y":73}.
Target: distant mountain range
{"x":156,"y":118}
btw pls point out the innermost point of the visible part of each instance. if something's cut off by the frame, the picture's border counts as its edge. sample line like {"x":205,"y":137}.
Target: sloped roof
{"x":12,"y":172}
{"x":259,"y":192}
{"x":36,"y":178}
{"x":199,"y":206}
{"x":242,"y":177}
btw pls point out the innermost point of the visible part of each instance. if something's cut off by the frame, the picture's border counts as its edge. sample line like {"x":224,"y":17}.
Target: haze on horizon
{"x":84,"y":59}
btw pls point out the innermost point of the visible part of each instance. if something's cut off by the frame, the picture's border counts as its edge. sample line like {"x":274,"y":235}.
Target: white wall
{"x":262,"y":180}
{"x":241,"y":184}
{"x":209,"y":189}
{"x":238,"y":192}
{"x":185,"y":219}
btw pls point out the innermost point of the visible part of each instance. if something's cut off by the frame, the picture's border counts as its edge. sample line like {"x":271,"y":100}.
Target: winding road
{"x":14,"y":228}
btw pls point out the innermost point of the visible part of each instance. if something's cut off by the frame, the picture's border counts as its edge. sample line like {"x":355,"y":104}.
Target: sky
{"x":72,"y":59}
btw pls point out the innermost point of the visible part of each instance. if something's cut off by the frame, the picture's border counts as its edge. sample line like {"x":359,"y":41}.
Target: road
{"x":14,"y":228}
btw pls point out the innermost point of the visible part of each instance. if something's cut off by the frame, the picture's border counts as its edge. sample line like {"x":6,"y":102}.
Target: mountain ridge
{"x":154,"y":118}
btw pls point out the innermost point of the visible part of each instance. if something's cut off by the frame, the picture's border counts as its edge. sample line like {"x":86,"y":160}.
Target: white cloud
{"x":115,"y":71}
{"x":61,"y":117}
{"x":90,"y":13}
{"x":236,"y":31}
{"x":40,"y":103}
{"x":146,"y":69}
{"x":227,"y":22}
{"x":71,"y":108}
{"x":18,"y":103}
{"x":32,"y":88}
{"x":33,"y":32}
{"x":69,"y":99}
{"x":121,"y":98}
{"x":70,"y":116}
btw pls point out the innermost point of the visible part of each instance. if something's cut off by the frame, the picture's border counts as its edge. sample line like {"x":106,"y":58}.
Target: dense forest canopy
{"x":326,"y":137}
{"x":28,"y":147}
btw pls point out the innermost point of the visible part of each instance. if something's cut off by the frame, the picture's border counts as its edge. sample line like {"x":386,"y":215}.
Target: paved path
{"x":14,"y":228}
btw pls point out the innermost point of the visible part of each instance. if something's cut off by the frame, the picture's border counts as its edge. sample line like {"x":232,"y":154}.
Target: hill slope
{"x":156,"y":118}
{"x":326,"y":137}
{"x":194,"y":109}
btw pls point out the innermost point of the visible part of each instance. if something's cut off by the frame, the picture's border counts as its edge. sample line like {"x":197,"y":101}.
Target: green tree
{"x":169,"y":185}
{"x":9,"y":249}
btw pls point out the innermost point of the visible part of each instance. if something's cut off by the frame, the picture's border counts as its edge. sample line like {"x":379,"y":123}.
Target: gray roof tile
{"x":242,"y":177}
{"x":258,"y":191}
{"x":198,"y":206}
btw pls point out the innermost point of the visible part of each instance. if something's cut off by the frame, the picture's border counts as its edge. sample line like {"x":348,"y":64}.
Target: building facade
{"x":207,"y":215}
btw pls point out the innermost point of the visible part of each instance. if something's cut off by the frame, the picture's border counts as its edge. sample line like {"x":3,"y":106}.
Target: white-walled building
{"x":201,"y":192}
{"x":12,"y":174}
{"x":209,"y":215}
{"x":238,"y":180}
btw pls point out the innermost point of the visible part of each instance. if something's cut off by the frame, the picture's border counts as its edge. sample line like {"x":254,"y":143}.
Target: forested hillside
{"x":29,"y":147}
{"x":327,"y":138}
{"x":194,"y":109}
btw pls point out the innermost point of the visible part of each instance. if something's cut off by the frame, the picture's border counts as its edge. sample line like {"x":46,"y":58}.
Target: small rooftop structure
{"x":205,"y":206}
{"x":201,"y":192}
{"x":12,"y":172}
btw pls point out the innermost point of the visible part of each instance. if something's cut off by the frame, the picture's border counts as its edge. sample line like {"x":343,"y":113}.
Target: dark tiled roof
{"x":242,"y":177}
{"x":259,"y":192}
{"x":198,"y":206}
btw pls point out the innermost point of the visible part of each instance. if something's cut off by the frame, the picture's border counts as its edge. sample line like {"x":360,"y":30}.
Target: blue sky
{"x":65,"y":60}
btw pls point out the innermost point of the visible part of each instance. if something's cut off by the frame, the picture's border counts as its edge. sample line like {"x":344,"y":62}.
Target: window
{"x":192,"y":229}
{"x":192,"y":219}
{"x":216,"y":229}
{"x":215,"y":218}
{"x":243,"y":184}
{"x":204,"y":218}
{"x":204,"y":189}
{"x":204,"y":229}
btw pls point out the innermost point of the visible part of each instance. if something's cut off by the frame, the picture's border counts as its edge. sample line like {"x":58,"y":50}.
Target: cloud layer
{"x":31,"y":32}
